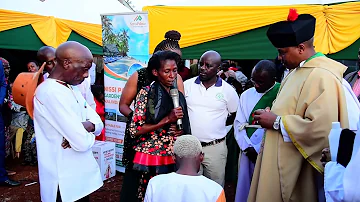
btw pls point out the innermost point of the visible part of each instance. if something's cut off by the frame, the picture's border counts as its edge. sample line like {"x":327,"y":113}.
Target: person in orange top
{"x":98,"y":92}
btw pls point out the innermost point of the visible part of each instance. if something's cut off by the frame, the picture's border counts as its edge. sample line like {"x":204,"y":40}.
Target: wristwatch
{"x":276,"y":124}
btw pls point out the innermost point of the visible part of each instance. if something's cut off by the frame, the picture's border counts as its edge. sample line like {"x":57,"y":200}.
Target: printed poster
{"x":126,"y":49}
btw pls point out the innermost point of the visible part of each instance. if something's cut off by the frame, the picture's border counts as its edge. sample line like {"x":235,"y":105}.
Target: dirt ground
{"x":28,"y":174}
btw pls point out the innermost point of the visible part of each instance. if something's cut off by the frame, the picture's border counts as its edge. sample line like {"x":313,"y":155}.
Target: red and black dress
{"x":154,"y":151}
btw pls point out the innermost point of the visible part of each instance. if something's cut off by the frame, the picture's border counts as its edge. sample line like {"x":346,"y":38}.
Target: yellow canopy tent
{"x":338,"y":26}
{"x":54,"y":21}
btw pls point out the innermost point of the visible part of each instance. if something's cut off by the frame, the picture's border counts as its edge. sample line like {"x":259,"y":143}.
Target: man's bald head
{"x":72,"y":49}
{"x":47,"y":54}
{"x":263,"y":75}
{"x":209,"y":65}
{"x":213,"y":55}
{"x":73,"y":61}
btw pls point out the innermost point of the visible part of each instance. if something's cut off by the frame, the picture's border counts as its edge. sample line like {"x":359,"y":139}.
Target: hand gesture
{"x":175,"y":114}
{"x":173,"y":130}
{"x":325,"y":156}
{"x":65,"y":144}
{"x":265,"y":118}
{"x":251,"y":153}
{"x":89,"y":127}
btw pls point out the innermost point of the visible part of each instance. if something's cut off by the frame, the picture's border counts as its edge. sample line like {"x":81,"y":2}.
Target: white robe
{"x":58,"y":113}
{"x":248,"y":100}
{"x":340,"y":183}
{"x":84,"y":88}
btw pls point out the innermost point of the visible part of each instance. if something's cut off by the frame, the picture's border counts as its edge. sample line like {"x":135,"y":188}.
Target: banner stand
{"x":126,"y":49}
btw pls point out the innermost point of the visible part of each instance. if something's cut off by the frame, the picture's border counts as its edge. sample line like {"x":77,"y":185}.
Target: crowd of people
{"x":280,"y":119}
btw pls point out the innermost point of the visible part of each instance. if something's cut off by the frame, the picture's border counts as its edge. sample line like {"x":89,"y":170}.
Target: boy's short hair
{"x":187,"y":146}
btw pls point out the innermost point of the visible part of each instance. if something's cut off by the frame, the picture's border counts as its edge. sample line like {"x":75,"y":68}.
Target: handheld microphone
{"x":174,"y":93}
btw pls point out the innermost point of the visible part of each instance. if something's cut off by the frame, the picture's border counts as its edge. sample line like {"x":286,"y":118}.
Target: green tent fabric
{"x":25,"y":38}
{"x":250,"y":45}
{"x":253,"y":45}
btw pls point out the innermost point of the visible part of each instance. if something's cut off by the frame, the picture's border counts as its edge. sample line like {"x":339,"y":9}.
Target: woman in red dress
{"x":154,"y":121}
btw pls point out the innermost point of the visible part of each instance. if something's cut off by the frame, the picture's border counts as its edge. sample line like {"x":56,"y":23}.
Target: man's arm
{"x":232,"y":105}
{"x":230,"y":119}
{"x":95,"y":120}
{"x":3,"y":85}
{"x":65,"y":121}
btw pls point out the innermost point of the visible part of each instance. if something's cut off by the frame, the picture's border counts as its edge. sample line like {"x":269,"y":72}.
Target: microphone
{"x":174,"y":93}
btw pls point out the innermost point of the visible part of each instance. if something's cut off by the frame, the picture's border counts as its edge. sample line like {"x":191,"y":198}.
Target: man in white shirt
{"x":212,"y":104}
{"x":248,"y":135}
{"x":65,"y":127}
{"x":186,"y":185}
{"x":47,"y":54}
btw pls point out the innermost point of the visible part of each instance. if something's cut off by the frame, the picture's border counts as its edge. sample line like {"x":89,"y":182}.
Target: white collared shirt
{"x":209,"y":108}
{"x":58,"y":113}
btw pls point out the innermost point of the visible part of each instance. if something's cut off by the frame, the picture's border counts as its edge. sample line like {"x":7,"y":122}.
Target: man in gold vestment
{"x":310,"y":98}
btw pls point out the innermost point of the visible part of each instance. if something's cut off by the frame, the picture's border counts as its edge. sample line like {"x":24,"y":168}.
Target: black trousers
{"x":85,"y":199}
{"x":129,"y":190}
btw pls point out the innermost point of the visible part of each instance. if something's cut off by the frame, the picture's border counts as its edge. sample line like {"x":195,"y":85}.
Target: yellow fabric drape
{"x":51,"y":31}
{"x":337,"y":27}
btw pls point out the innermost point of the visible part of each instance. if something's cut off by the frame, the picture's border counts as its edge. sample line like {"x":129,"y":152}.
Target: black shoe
{"x":10,"y":183}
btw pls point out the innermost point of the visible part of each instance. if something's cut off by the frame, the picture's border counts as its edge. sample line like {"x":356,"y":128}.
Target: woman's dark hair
{"x":171,"y":41}
{"x":156,"y":60}
{"x":97,"y":91}
{"x":34,"y":61}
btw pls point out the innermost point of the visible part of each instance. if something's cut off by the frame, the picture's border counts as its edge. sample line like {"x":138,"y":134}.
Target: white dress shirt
{"x":58,"y":113}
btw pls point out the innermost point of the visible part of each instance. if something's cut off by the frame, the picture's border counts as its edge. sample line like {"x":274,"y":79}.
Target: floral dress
{"x":154,"y":150}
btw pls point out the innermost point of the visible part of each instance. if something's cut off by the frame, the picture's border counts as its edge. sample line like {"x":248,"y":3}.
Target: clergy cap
{"x":296,"y":30}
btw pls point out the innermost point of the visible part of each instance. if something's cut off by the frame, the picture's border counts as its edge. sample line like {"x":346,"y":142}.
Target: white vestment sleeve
{"x":333,"y":182}
{"x":285,"y":135}
{"x":352,"y":178}
{"x":66,"y":121}
{"x":239,"y":120}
